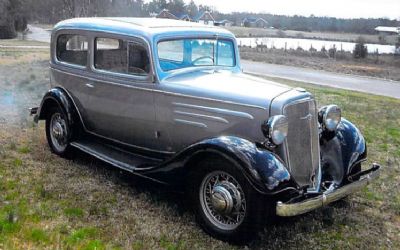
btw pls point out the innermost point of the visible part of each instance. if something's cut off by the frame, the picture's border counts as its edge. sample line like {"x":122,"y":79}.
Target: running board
{"x":115,"y":156}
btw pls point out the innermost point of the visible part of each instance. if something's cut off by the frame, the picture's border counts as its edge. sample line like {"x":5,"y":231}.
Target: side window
{"x":72,"y":49}
{"x":119,"y":56}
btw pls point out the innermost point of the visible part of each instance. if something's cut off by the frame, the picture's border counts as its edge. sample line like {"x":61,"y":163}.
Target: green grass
{"x":37,"y":235}
{"x":17,"y":162}
{"x":81,"y":235}
{"x":73,"y":212}
{"x":24,"y":149}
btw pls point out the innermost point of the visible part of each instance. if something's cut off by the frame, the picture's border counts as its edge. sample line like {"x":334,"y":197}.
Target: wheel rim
{"x":58,"y":132}
{"x":222,"y":200}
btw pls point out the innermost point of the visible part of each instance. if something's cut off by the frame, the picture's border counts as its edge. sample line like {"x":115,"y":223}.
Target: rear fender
{"x":56,"y":96}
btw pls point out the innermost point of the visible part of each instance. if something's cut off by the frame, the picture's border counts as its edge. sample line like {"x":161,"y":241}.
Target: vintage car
{"x":167,"y":100}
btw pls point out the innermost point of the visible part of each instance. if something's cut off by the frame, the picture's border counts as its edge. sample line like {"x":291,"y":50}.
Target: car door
{"x":120,"y":90}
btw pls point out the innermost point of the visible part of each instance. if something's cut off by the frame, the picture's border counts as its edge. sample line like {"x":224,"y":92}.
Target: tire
{"x":245,"y":218}
{"x":58,"y":132}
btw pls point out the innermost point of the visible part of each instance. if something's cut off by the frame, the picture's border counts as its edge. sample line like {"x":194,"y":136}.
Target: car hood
{"x":227,"y":86}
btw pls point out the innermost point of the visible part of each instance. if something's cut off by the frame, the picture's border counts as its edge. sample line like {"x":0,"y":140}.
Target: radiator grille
{"x":302,"y":144}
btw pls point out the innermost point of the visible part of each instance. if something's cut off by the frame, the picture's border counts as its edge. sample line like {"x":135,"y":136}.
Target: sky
{"x":333,"y":8}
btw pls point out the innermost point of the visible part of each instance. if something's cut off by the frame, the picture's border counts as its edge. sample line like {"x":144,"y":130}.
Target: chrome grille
{"x":302,"y":145}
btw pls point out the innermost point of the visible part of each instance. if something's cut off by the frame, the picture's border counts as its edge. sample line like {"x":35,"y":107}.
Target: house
{"x":205,"y":17}
{"x":184,"y":17}
{"x":168,"y":15}
{"x":383,"y":30}
{"x":254,"y":22}
{"x":225,"y":23}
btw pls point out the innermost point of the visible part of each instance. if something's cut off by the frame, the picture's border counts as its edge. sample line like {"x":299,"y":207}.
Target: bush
{"x":332,"y":51}
{"x":360,"y":49}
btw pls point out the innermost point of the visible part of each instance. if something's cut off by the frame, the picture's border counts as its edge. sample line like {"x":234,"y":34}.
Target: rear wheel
{"x":226,"y":205}
{"x":58,"y":132}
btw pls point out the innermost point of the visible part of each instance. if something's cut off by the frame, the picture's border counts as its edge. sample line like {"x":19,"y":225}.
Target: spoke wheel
{"x":58,"y":132}
{"x":222,"y":200}
{"x":225,"y":203}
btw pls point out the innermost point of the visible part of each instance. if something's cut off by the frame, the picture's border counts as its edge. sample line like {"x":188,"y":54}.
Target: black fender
{"x":57,"y":96}
{"x":342,"y":150}
{"x":264,"y":170}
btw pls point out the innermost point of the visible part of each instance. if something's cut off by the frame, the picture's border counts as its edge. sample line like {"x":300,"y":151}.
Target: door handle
{"x":89,"y":85}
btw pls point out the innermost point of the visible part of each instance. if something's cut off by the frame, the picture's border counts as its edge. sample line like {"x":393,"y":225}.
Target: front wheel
{"x":226,"y":205}
{"x":58,"y":132}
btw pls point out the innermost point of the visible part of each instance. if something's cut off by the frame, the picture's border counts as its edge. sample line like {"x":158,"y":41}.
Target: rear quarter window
{"x":72,"y":49}
{"x":121,"y":56}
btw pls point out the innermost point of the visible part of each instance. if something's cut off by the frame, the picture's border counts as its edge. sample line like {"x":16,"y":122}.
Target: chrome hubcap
{"x":222,"y":200}
{"x":58,"y":132}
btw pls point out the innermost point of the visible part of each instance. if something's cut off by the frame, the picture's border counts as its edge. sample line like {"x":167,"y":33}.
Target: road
{"x":38,"y":34}
{"x":358,"y":83}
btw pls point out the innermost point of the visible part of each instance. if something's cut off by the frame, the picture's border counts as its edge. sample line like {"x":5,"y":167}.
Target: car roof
{"x":148,"y":27}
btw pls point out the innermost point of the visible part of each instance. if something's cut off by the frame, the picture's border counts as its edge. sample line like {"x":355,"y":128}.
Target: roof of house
{"x":201,"y":14}
{"x":388,"y":29}
{"x":168,"y":13}
{"x":182,"y":16}
{"x":254,"y":19}
{"x":223,"y":21}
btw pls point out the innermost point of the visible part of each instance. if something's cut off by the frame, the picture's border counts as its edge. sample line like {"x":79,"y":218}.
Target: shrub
{"x":360,"y":49}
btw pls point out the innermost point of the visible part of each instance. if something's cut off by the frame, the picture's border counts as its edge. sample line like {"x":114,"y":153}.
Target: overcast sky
{"x":335,"y":8}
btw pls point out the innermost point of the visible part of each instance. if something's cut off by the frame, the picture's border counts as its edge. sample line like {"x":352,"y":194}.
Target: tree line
{"x":14,"y":14}
{"x":315,"y":23}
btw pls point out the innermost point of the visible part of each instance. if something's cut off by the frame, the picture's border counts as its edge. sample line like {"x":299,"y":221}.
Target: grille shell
{"x":302,"y":142}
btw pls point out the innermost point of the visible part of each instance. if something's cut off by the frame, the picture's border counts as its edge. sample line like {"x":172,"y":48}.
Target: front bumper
{"x":292,"y":209}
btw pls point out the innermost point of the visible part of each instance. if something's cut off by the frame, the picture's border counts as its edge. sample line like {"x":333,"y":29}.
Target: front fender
{"x":265,"y":171}
{"x":343,"y":150}
{"x":56,"y":96}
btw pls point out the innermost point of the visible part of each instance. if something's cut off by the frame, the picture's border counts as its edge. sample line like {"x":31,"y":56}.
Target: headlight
{"x":330,"y":116}
{"x":276,"y":129}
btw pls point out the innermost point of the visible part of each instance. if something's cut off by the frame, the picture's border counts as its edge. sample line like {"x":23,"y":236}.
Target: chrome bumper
{"x":292,"y":209}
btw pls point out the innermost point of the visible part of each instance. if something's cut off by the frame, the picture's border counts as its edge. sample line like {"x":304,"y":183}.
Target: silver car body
{"x":167,"y":112}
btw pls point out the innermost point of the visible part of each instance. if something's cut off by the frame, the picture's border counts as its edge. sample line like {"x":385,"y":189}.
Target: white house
{"x":383,"y":30}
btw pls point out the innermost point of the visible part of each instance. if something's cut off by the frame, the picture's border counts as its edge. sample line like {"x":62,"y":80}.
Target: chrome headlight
{"x":276,"y":129}
{"x":330,"y":116}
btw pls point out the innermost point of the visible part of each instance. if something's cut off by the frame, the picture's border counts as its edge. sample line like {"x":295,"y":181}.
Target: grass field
{"x":383,"y":66}
{"x":47,"y":202}
{"x":332,"y":36}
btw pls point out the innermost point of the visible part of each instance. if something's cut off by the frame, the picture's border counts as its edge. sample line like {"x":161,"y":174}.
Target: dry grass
{"x":384,"y":66}
{"x":47,"y":202}
{"x":331,"y":36}
{"x":19,"y":42}
{"x":11,"y":54}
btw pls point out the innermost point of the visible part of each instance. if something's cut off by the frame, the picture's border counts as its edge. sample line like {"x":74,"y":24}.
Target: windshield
{"x":184,"y":53}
